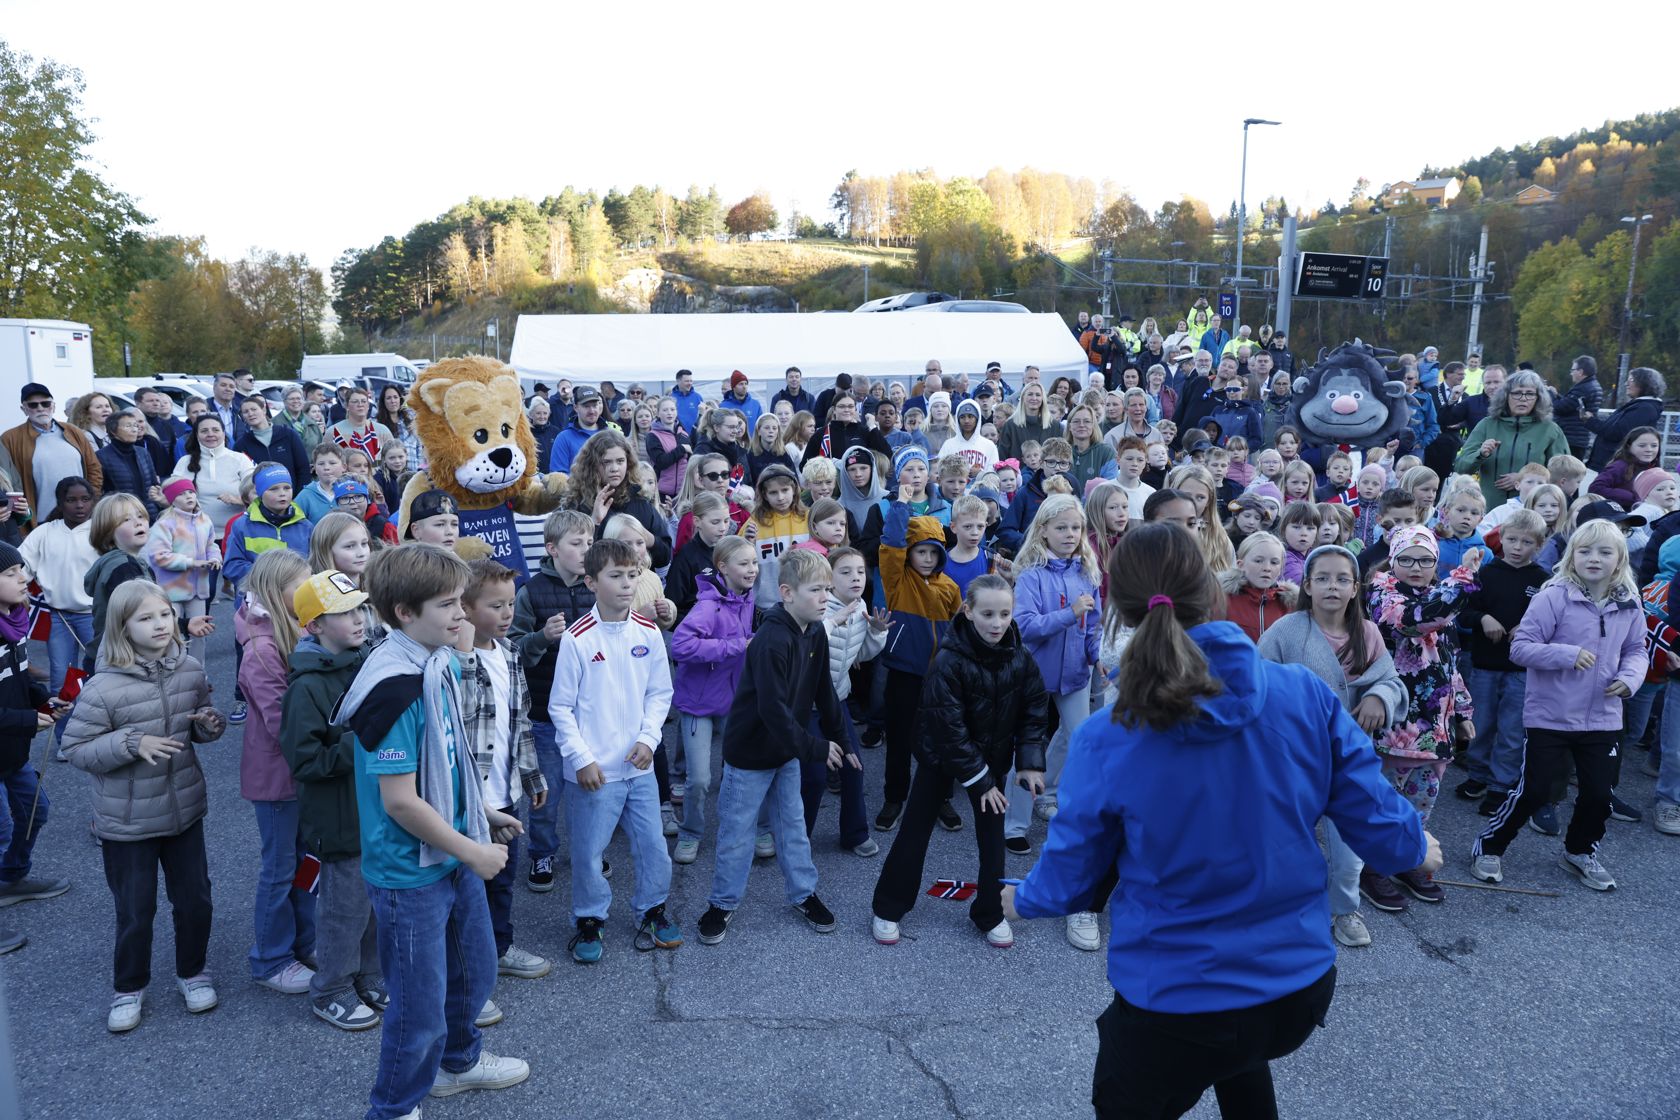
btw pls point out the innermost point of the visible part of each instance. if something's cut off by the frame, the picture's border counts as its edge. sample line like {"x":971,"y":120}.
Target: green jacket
{"x":1522,"y":440}
{"x":319,"y":751}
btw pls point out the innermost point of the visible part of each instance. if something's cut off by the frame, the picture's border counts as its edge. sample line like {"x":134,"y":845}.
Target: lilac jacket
{"x":1064,"y":647}
{"x":710,"y":648}
{"x":1560,"y":623}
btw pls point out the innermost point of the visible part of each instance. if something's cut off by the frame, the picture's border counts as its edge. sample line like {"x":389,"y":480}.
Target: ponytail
{"x":1160,"y":585}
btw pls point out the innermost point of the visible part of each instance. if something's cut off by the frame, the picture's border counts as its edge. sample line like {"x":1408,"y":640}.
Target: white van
{"x":339,"y":368}
{"x":56,"y":353}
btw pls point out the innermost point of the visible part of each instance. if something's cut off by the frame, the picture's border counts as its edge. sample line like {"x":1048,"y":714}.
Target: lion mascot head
{"x":470,"y":418}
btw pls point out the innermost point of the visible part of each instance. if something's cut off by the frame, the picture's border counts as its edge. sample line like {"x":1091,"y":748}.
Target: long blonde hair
{"x":1216,"y":543}
{"x":115,"y":648}
{"x":271,"y":582}
{"x":1596,"y":532}
{"x":326,"y":535}
{"x":1034,"y":553}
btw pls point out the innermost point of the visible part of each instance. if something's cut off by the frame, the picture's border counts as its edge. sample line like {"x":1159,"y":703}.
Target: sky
{"x":314,"y":127}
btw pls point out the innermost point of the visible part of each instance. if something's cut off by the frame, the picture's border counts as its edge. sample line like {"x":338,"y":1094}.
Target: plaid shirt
{"x":478,"y":708}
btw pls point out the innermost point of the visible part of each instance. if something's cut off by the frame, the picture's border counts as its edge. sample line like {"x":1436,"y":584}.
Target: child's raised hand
{"x":1491,"y":627}
{"x":880,"y":619}
{"x":590,"y":778}
{"x":487,"y":860}
{"x":155,"y":748}
{"x":1472,"y":561}
{"x":555,"y":627}
{"x":1586,"y":659}
{"x":1617,"y":688}
{"x":603,"y":503}
{"x":993,"y":801}
{"x":640,"y":756}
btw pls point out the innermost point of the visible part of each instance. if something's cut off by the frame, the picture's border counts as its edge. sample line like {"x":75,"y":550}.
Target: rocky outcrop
{"x":653,"y":290}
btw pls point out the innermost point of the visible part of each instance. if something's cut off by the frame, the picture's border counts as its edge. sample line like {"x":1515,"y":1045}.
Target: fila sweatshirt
{"x":612,"y":688}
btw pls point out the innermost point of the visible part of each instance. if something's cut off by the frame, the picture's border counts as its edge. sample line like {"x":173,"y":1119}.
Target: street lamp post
{"x":1242,"y":217}
{"x":1627,"y":310}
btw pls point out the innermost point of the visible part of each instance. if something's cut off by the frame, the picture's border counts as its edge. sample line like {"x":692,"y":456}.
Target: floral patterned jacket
{"x":1419,"y":626}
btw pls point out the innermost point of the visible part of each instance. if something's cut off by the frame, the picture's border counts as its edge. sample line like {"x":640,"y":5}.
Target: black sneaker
{"x":833,"y":781}
{"x":820,"y":917}
{"x":948,"y":818}
{"x":1017,"y":845}
{"x":1491,"y":803}
{"x":714,"y":923}
{"x":541,"y":876}
{"x":871,"y":737}
{"x":11,"y":941}
{"x":1619,"y":811}
{"x":1470,"y":789}
{"x":606,"y":868}
{"x":1544,"y":821}
{"x":887,"y":819}
{"x":1380,"y":891}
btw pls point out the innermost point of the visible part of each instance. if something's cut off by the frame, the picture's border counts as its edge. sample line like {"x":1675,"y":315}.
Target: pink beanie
{"x":1647,"y":480}
{"x":175,"y":487}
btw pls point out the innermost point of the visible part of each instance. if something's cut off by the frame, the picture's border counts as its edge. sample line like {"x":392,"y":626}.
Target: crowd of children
{"x":409,"y":718}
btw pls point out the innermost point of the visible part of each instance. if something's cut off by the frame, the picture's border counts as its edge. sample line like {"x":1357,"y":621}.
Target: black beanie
{"x":9,"y":557}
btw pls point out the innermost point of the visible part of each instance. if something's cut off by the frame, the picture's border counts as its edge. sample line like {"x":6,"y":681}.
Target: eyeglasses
{"x":638,"y":392}
{"x":1523,"y":394}
{"x":714,"y":476}
{"x":1057,"y":464}
{"x":1333,"y":581}
{"x":352,"y":500}
{"x":1414,"y":562}
{"x":38,"y":404}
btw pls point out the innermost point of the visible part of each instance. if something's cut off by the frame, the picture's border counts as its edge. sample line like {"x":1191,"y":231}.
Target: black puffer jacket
{"x":1610,"y":431}
{"x":984,"y":707}
{"x":1571,"y":409}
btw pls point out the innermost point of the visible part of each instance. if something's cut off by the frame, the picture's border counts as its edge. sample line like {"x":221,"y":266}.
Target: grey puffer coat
{"x":134,"y":799}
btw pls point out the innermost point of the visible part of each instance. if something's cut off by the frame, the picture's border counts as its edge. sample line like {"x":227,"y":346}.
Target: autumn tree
{"x":751,"y":215}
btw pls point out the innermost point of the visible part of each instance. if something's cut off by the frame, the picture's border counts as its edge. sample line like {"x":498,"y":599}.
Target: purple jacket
{"x":1560,"y":623}
{"x":1064,"y":647}
{"x":710,"y":648}
{"x":263,"y":772}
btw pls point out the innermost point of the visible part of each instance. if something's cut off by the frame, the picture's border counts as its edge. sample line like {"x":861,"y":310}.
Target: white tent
{"x":651,"y":348}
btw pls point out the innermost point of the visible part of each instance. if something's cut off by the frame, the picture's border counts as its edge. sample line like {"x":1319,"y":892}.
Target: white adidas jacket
{"x":605,"y":675}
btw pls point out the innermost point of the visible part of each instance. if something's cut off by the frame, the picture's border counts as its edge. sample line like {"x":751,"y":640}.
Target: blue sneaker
{"x":658,"y":931}
{"x":586,"y":943}
{"x":238,"y":713}
{"x":1544,"y":821}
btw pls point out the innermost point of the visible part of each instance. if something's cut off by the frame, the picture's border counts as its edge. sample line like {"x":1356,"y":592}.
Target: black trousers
{"x":901,"y":875}
{"x":131,"y":870}
{"x":1546,"y":759}
{"x":904,"y":695}
{"x":1153,"y":1065}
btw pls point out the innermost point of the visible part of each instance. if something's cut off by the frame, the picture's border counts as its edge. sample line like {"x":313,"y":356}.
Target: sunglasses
{"x":38,"y":404}
{"x":714,"y":476}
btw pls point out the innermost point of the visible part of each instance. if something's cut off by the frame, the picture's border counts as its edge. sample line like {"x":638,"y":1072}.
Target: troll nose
{"x":503,"y":456}
{"x":1344,"y":405}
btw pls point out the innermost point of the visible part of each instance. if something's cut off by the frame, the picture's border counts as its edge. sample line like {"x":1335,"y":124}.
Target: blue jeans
{"x":591,"y":819}
{"x":544,"y":837}
{"x":1072,"y":709}
{"x":854,"y":823}
{"x":1345,"y":867}
{"x":439,"y":961}
{"x":499,"y":893}
{"x":1668,"y":777}
{"x":284,"y":916}
{"x":739,"y":798}
{"x":699,"y":733}
{"x":1636,"y":716}
{"x":71,"y":633}
{"x":1496,"y":753}
{"x":17,"y":833}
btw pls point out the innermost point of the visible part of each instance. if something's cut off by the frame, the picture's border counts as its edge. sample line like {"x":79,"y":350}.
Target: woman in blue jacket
{"x":1199,"y":796}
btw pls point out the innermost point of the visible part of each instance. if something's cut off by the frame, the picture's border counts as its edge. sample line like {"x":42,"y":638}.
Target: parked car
{"x":981,"y":305}
{"x":904,"y":301}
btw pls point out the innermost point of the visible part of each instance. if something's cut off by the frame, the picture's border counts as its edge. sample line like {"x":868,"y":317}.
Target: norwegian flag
{"x":40,"y":616}
{"x":827,"y":445}
{"x":954,"y":889}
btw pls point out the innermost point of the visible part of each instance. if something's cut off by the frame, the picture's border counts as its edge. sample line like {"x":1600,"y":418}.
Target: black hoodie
{"x":786,"y":675}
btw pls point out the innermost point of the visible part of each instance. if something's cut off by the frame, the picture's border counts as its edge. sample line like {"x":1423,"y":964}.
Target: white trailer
{"x":56,"y":353}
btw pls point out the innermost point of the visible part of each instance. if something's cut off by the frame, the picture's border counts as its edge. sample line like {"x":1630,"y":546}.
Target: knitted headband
{"x":272,"y":475}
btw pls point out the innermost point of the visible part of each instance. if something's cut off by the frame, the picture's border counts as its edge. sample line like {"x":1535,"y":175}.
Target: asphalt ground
{"x":1492,"y":1004}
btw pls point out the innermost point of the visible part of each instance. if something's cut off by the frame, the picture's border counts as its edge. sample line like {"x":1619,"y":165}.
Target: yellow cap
{"x":326,"y":592}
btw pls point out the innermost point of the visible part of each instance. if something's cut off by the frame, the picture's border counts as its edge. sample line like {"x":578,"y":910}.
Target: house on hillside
{"x":1437,"y":194}
{"x":1535,"y":195}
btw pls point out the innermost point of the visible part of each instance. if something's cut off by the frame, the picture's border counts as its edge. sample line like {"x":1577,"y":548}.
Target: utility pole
{"x":1242,"y":218}
{"x":1624,"y":341}
{"x":1107,"y":286}
{"x":1478,"y":273}
{"x":866,"y":283}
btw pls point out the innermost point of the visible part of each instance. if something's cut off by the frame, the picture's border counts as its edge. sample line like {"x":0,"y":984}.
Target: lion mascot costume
{"x":479,"y":450}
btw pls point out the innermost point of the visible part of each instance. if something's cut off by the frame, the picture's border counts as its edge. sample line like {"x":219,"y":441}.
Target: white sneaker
{"x":1587,"y":867}
{"x":866,"y":850}
{"x":1045,"y":809}
{"x":1349,"y":930}
{"x":125,"y":1012}
{"x":1488,"y":869}
{"x":200,"y":994}
{"x":679,"y":791}
{"x":1000,"y":936}
{"x":518,"y":963}
{"x":687,"y":851}
{"x":292,"y":980}
{"x":1082,"y":932}
{"x":491,"y":1072}
{"x":668,"y":821}
{"x":1667,"y":819}
{"x":885,"y":932}
{"x":764,"y":847}
{"x":489,"y":1015}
